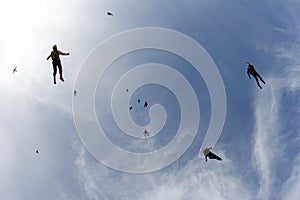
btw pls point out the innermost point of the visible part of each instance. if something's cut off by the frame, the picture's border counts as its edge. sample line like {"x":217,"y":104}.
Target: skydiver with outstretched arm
{"x":209,"y":154}
{"x":57,"y":63}
{"x":251,"y":71}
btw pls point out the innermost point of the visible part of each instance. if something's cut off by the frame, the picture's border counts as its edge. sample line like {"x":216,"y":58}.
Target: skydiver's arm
{"x":49,"y":56}
{"x":248,"y":74}
{"x":62,"y":53}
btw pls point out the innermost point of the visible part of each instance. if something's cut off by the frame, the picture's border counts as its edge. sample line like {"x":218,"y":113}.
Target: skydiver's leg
{"x":54,"y":72}
{"x":213,"y":156}
{"x":206,"y":158}
{"x":257,"y":82}
{"x":262,"y":80}
{"x":60,"y":72}
{"x":210,"y":155}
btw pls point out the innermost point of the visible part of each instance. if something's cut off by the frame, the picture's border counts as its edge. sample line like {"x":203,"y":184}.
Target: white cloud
{"x":266,"y":147}
{"x":269,"y":143}
{"x":197,"y":180}
{"x":291,"y":187}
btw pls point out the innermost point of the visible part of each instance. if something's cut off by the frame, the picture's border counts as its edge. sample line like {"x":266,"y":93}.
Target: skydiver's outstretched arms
{"x":62,"y":53}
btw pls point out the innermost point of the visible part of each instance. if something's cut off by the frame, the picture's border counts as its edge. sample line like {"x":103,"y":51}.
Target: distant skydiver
{"x":109,"y":14}
{"x":209,"y":154}
{"x":37,"y":151}
{"x":146,"y":133}
{"x":251,"y":70}
{"x":139,"y":101}
{"x":14,"y":70}
{"x":56,"y":62}
{"x":145,"y":104}
{"x":75,"y":93}
{"x":130,"y":108}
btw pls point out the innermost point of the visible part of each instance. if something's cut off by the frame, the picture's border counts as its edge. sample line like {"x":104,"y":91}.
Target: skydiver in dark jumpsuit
{"x":251,"y":70}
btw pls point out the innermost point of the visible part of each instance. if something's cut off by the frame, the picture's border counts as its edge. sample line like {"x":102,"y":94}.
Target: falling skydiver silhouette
{"x":57,"y":63}
{"x":146,"y":133}
{"x":15,"y":70}
{"x":251,"y":70}
{"x":209,"y":154}
{"x":145,"y":104}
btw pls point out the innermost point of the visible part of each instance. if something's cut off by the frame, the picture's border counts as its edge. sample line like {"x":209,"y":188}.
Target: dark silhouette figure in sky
{"x":139,"y":101}
{"x":14,"y":70}
{"x":109,"y":14}
{"x":37,"y":151}
{"x":146,"y":133}
{"x":127,"y":90}
{"x":145,"y":104}
{"x":209,"y":154}
{"x":75,"y":93}
{"x":130,"y":108}
{"x":251,"y":70}
{"x":57,"y":63}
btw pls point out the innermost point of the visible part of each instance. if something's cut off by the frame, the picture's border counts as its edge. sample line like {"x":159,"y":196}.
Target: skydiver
{"x":209,"y":154}
{"x":251,"y":70}
{"x":75,"y":93}
{"x":56,"y":62}
{"x":37,"y":151}
{"x":14,"y":70}
{"x":130,"y":108}
{"x":109,"y":14}
{"x":139,"y":101}
{"x":127,"y":90}
{"x":145,"y":104}
{"x":146,"y":133}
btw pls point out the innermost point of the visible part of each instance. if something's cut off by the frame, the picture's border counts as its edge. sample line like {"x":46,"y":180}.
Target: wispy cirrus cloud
{"x":211,"y":180}
{"x":271,"y":144}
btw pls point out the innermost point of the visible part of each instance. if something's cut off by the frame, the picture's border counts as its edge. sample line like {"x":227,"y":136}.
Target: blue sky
{"x":260,"y":139}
